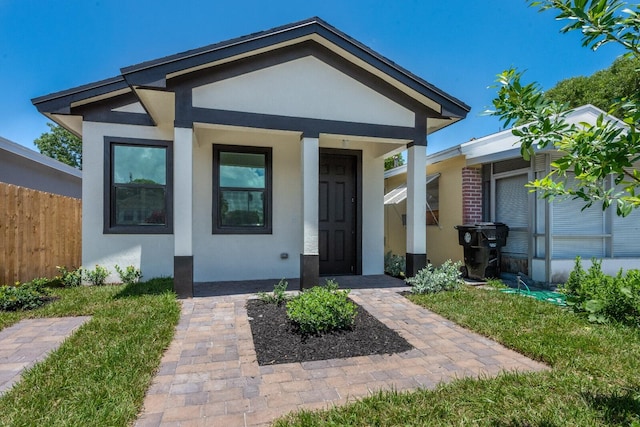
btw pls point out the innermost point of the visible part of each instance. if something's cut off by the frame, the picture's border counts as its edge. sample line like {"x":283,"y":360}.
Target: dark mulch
{"x":276,"y":339}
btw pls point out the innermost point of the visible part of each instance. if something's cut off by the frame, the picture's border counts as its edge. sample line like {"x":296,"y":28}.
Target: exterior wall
{"x":395,"y":234}
{"x":560,"y":268}
{"x":220,"y":257}
{"x":249,"y":256}
{"x":285,"y":89}
{"x":153,"y":254}
{"x":471,"y":195}
{"x":24,"y":172}
{"x":442,"y":240}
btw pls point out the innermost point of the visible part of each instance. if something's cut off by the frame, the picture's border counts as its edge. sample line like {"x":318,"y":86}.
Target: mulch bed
{"x":277,"y":340}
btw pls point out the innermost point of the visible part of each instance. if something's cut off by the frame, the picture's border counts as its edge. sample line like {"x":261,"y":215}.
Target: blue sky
{"x":459,"y":46}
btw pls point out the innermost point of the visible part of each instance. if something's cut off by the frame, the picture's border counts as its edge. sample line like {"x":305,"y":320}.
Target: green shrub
{"x":575,"y":279}
{"x":322,"y":309}
{"x":278,"y":296}
{"x":26,"y":296}
{"x":96,"y":276}
{"x":395,"y":265}
{"x":129,"y":275}
{"x":69,"y":278}
{"x":604,"y":298}
{"x":436,"y":279}
{"x":39,"y":284}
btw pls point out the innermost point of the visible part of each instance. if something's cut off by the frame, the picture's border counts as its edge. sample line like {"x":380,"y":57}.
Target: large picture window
{"x":241,"y":190}
{"x":138,"y":199}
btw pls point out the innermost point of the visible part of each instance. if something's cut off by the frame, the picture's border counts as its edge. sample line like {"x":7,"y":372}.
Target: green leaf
{"x":594,"y":306}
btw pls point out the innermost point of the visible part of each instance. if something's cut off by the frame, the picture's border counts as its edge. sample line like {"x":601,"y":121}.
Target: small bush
{"x":129,"y":275}
{"x":278,"y":296}
{"x":26,"y":296}
{"x":69,"y":278}
{"x":39,"y":284}
{"x":604,"y":298}
{"x":97,"y":276}
{"x":575,"y":279}
{"x":322,"y":309}
{"x":395,"y":265}
{"x":431,"y":280}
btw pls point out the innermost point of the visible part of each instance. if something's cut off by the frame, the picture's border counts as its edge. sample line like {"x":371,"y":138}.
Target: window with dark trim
{"x":433,"y":201}
{"x":138,"y":186}
{"x":241,"y":190}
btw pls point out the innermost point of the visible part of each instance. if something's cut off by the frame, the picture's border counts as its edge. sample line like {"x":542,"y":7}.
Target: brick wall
{"x":471,"y":195}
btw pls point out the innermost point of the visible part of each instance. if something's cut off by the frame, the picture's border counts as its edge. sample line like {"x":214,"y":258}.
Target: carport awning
{"x":399,"y":193}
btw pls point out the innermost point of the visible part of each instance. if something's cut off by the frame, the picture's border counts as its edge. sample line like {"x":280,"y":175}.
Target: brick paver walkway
{"x":29,"y":341}
{"x":209,"y":376}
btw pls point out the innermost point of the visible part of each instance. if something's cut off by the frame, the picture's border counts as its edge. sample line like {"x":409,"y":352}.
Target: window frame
{"x":109,"y":208}
{"x":433,"y":215}
{"x":217,"y":227}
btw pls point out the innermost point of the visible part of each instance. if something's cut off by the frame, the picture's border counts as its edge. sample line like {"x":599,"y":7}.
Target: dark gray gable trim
{"x":153,"y":73}
{"x":309,"y":127}
{"x":60,"y":102}
{"x":181,"y":85}
{"x":101,"y":111}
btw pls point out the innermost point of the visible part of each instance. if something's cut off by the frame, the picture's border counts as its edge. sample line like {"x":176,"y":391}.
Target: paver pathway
{"x":209,"y":376}
{"x":29,"y":341}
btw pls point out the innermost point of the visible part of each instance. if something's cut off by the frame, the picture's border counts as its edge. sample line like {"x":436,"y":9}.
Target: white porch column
{"x":310,"y":258}
{"x":416,"y":209}
{"x":183,"y":211}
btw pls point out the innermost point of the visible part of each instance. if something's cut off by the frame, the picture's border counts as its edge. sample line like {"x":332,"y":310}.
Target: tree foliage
{"x":591,"y":152}
{"x":393,"y":161}
{"x":602,"y":89}
{"x":62,"y":145}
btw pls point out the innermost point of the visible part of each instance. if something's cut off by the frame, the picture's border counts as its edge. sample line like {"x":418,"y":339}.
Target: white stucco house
{"x":485,"y":180}
{"x":255,"y":158}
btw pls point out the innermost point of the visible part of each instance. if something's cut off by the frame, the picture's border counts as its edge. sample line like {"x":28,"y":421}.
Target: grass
{"x":594,"y":380}
{"x":99,"y":375}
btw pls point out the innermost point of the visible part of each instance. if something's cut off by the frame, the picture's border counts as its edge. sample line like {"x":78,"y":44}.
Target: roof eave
{"x":153,"y":73}
{"x":60,"y":102}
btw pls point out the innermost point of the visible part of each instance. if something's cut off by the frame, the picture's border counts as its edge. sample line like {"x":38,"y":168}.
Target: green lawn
{"x":100,"y":374}
{"x":595,"y":380}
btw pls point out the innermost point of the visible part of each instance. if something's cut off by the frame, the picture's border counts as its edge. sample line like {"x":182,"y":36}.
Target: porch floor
{"x":210,"y":376}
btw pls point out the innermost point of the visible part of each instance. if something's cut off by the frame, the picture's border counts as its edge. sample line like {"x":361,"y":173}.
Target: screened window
{"x":242,"y":190}
{"x":139,"y":194}
{"x":512,"y":208}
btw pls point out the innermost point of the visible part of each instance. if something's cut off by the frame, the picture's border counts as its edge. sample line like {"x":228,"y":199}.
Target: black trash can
{"x":482,"y":243}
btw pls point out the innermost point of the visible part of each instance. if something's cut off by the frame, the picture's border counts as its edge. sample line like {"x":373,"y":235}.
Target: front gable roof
{"x":138,"y":80}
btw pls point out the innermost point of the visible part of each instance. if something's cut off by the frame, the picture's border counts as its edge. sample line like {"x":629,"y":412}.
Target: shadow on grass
{"x":156,"y":286}
{"x":616,"y":409}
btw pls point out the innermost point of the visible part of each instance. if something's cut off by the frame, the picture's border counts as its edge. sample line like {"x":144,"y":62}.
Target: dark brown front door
{"x":337,"y":214}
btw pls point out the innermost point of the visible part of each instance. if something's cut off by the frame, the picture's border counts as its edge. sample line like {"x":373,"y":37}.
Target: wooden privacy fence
{"x":38,"y":231}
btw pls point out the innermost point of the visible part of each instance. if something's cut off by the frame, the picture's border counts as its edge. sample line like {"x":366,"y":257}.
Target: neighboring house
{"x":484,"y":180}
{"x":27,"y":168}
{"x":259,"y":157}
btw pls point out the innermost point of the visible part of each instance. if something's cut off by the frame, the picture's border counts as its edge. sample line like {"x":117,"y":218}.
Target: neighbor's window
{"x":241,"y":190}
{"x":139,"y":197}
{"x":433,"y":199}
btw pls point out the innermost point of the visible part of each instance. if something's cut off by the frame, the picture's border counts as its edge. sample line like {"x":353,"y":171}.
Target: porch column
{"x":183,"y":212}
{"x":310,"y":258}
{"x":416,"y":209}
